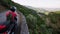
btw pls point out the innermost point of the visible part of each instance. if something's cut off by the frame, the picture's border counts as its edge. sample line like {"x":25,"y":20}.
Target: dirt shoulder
{"x":2,"y":8}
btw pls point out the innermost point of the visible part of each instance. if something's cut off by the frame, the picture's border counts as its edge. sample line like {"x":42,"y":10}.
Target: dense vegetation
{"x":36,"y":23}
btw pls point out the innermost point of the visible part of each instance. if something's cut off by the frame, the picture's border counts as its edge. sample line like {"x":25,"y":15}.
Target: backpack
{"x":9,"y":17}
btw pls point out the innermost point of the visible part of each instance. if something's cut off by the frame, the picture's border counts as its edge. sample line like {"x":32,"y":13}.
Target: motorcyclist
{"x":12,"y":15}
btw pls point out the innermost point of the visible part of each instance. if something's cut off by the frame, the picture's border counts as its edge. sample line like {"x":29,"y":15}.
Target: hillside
{"x":51,"y":18}
{"x":38,"y":23}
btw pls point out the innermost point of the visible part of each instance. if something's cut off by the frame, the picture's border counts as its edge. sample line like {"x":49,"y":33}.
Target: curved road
{"x":21,"y":22}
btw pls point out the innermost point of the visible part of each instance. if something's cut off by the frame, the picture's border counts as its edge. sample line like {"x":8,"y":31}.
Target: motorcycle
{"x":7,"y":28}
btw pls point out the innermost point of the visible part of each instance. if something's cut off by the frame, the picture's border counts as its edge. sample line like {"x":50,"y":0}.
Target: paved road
{"x":24,"y":27}
{"x":2,"y":17}
{"x":21,"y":21}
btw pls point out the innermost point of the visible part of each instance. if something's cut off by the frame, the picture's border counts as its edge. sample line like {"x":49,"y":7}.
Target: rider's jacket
{"x":13,"y":14}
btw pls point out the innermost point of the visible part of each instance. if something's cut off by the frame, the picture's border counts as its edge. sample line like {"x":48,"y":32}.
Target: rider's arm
{"x":7,"y":14}
{"x":15,"y":17}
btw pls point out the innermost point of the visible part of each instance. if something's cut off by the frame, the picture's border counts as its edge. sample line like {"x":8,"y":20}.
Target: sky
{"x":40,"y":3}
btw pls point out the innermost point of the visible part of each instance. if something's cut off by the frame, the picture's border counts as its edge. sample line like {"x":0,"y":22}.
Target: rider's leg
{"x":14,"y":29}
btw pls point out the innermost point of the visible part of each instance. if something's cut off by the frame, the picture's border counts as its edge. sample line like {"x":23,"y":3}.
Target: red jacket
{"x":13,"y":14}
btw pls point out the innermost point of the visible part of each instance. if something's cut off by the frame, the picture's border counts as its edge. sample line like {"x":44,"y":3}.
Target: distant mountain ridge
{"x":47,"y":9}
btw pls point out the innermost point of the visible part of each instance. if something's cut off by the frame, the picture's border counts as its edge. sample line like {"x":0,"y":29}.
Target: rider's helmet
{"x":13,"y":8}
